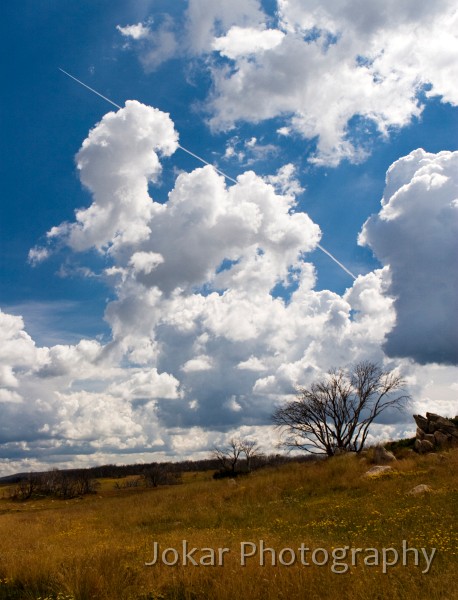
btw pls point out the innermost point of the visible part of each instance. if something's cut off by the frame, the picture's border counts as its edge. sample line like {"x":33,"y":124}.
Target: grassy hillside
{"x":96,"y":547}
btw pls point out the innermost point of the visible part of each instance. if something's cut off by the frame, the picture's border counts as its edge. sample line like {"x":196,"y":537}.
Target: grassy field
{"x":96,"y":547}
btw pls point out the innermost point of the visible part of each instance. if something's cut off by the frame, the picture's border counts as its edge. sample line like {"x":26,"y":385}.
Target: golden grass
{"x":96,"y":548}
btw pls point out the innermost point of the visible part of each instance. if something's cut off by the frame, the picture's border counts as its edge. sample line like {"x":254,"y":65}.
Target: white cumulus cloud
{"x":136,"y":32}
{"x":241,"y":41}
{"x":207,"y":18}
{"x":416,"y":235}
{"x":116,"y":162}
{"x":337,"y":73}
{"x":336,"y":62}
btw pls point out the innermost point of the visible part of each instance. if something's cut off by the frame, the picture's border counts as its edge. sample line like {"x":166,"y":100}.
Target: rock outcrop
{"x":382,"y":456}
{"x":419,"y":490}
{"x":435,"y":432}
{"x":379,"y":470}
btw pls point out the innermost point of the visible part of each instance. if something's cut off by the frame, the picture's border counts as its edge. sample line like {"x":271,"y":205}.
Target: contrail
{"x":336,"y":261}
{"x":206,"y":163}
{"x":202,"y":160}
{"x":179,"y":145}
{"x":91,"y":89}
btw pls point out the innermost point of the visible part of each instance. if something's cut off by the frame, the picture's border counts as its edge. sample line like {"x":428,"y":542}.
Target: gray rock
{"x":421,"y":422}
{"x":432,"y":417}
{"x":420,"y":434}
{"x":434,"y":432}
{"x":378,"y":470}
{"x":438,"y":423}
{"x":441,"y":438}
{"x":381,"y":455}
{"x":423,"y":446}
{"x":420,"y":489}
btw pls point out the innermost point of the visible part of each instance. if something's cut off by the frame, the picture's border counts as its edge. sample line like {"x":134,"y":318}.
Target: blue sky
{"x":333,"y":97}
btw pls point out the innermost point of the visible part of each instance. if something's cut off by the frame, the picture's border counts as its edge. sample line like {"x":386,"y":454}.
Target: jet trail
{"x":179,"y":145}
{"x":91,"y":89}
{"x":202,"y":160}
{"x":336,"y":261}
{"x":207,"y":163}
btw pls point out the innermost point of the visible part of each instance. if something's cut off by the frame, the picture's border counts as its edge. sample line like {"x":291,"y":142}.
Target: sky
{"x":152,"y":306}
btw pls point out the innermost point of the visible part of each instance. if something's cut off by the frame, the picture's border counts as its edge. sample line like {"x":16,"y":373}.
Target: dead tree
{"x":334,"y":415}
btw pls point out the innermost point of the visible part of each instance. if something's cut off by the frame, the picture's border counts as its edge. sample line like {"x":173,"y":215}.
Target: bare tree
{"x":157,"y":474}
{"x":83,"y":482}
{"x":250,"y":449}
{"x":25,"y":488}
{"x":229,"y":457}
{"x":335,"y":413}
{"x":61,"y":484}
